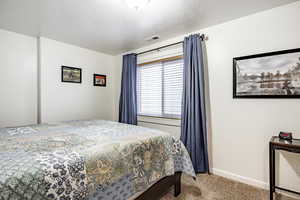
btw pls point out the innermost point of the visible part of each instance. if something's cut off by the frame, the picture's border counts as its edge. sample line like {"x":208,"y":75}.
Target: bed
{"x":92,"y":159}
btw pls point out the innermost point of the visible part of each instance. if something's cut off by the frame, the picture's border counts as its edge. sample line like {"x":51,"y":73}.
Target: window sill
{"x":160,"y":117}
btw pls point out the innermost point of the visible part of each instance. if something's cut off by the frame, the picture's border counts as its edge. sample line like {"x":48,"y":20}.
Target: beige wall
{"x":59,"y":101}
{"x":241,"y":128}
{"x":18,"y":79}
{"x":70,"y":101}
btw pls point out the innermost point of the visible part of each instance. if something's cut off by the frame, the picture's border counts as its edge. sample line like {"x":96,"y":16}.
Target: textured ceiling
{"x":110,"y":26}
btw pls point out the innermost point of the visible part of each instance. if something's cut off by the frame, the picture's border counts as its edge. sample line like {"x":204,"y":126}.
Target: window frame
{"x":163,"y":115}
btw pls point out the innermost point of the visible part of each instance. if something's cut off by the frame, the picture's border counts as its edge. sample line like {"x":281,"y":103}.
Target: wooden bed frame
{"x":162,"y":187}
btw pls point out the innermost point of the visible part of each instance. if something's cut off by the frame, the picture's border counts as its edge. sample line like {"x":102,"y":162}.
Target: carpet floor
{"x":211,"y":187}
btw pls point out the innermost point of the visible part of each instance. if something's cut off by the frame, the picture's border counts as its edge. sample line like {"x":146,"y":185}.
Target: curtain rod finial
{"x":204,"y":37}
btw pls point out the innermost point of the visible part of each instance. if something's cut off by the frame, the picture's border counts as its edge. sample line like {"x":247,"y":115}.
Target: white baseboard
{"x":242,"y":179}
{"x":248,"y":181}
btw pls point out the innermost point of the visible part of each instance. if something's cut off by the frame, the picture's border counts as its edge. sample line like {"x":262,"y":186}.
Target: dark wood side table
{"x":277,"y":144}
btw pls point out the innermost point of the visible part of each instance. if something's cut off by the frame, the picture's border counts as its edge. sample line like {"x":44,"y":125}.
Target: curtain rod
{"x":165,"y":46}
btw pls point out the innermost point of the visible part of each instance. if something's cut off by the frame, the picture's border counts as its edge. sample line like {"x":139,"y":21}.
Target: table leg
{"x":272,"y":170}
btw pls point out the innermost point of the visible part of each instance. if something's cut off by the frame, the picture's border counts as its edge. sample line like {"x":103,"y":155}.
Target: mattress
{"x":91,"y":159}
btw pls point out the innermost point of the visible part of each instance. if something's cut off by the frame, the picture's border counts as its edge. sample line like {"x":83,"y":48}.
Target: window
{"x":159,"y":88}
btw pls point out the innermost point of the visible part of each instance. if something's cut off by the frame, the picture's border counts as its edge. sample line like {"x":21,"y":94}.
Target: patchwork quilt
{"x":93,"y":159}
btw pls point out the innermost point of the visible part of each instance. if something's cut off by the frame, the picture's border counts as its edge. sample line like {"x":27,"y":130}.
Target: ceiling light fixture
{"x":137,"y":4}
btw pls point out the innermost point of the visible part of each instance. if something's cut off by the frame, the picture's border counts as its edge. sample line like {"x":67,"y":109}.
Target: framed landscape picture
{"x":70,"y":74}
{"x":100,"y":80}
{"x":268,"y":75}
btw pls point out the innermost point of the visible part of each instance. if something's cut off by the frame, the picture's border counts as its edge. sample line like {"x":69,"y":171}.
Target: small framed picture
{"x":100,"y":80}
{"x":70,"y":74}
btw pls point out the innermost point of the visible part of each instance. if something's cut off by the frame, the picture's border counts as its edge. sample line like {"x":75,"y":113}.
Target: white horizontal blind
{"x":159,"y":88}
{"x":149,"y":89}
{"x":173,"y":84}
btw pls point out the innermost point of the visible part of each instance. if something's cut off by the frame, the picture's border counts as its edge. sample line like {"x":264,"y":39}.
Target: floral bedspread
{"x":79,"y":160}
